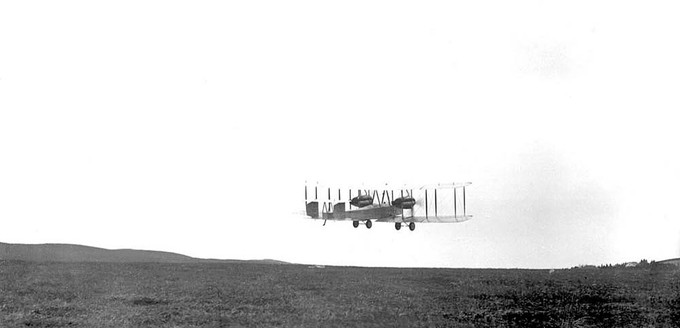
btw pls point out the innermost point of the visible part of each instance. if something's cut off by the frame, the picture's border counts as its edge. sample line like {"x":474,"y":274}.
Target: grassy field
{"x":246,"y":294}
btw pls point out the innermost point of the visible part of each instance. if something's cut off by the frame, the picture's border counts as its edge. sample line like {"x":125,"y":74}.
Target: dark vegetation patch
{"x":246,"y":294}
{"x":148,"y":301}
{"x":552,"y":305}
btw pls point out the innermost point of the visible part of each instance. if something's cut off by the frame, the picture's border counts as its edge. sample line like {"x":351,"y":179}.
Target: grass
{"x":246,"y":294}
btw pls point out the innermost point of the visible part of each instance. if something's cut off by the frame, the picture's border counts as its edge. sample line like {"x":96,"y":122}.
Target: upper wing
{"x":386,"y":186}
{"x":446,"y":185}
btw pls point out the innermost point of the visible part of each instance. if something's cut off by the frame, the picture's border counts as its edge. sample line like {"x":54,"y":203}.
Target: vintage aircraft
{"x":439,"y":203}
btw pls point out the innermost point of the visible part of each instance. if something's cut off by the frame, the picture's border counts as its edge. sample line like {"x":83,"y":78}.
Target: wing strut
{"x":425,"y":204}
{"x":350,"y":198}
{"x":455,"y":204}
{"x":435,"y":203}
{"x":464,"y":201}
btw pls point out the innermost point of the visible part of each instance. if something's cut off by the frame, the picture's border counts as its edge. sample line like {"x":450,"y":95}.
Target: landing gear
{"x":397,"y":225}
{"x":412,"y":226}
{"x":369,"y":224}
{"x":355,"y":224}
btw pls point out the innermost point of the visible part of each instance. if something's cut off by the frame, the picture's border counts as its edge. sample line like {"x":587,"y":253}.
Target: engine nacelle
{"x":361,"y":201}
{"x":404,"y":202}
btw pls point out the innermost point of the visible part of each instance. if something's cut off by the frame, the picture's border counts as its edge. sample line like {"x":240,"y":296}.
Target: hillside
{"x":79,"y":253}
{"x":671,"y":261}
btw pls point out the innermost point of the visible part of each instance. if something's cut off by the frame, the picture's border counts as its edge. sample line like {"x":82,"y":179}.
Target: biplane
{"x":437,"y":203}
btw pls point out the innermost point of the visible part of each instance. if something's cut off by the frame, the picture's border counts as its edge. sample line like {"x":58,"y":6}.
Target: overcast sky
{"x":191,"y":127}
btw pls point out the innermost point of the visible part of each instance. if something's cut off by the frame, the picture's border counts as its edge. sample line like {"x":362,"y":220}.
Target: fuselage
{"x":369,"y":212}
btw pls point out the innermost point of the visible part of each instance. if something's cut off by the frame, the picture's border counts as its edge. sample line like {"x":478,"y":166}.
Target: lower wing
{"x":440,"y":219}
{"x":428,"y":219}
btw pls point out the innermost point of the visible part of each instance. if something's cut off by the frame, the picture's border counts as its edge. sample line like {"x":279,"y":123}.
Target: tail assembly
{"x":313,"y":210}
{"x":313,"y":206}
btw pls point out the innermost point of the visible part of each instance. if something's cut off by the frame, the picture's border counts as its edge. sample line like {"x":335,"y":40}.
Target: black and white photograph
{"x":339,"y":163}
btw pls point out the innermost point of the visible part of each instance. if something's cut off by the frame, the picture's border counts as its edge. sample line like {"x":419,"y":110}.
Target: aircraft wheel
{"x":369,"y":224}
{"x":355,"y":224}
{"x":412,"y":226}
{"x":397,"y":225}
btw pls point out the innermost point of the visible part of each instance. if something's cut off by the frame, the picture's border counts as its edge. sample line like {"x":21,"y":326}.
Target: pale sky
{"x":191,"y":127}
